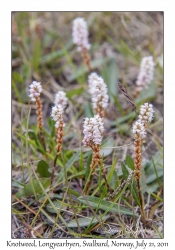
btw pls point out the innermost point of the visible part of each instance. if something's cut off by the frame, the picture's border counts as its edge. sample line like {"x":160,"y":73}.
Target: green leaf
{"x":26,"y":70}
{"x":157,"y":197}
{"x":76,"y":91}
{"x":130,"y":162}
{"x":154,"y":171}
{"x":51,"y":126}
{"x":33,"y":187}
{"x":42,"y":169}
{"x":88,"y":110}
{"x":36,"y":54}
{"x":134,"y":192}
{"x":123,"y":119}
{"x":17,"y":184}
{"x":108,"y":143}
{"x":69,"y":164}
{"x":124,"y":171}
{"x":82,"y":69}
{"x":52,"y":56}
{"x":58,"y":205}
{"x":147,"y":94}
{"x":71,"y":191}
{"x":33,"y":136}
{"x":17,"y":77}
{"x":84,"y":222}
{"x":87,"y":171}
{"x":104,"y":205}
{"x":151,"y":178}
{"x":112,"y":79}
{"x":143,"y":185}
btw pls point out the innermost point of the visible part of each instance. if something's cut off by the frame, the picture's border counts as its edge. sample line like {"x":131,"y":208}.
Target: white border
{"x":5,"y":94}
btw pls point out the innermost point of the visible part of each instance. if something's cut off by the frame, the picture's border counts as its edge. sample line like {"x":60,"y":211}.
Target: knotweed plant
{"x":145,"y":116}
{"x":35,"y":90}
{"x":93,"y":129}
{"x":146,"y":74}
{"x":98,"y":91}
{"x":80,"y":38}
{"x":57,"y":116}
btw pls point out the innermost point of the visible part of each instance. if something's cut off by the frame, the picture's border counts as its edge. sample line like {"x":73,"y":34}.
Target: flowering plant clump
{"x":72,"y":158}
{"x":98,"y":91}
{"x":146,"y":73}
{"x":61,"y":99}
{"x":80,"y":34}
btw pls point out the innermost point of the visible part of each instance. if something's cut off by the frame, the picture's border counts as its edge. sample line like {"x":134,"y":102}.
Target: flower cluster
{"x":139,"y":129}
{"x":98,"y":91}
{"x":93,"y":130}
{"x":80,"y":34}
{"x":145,"y":116}
{"x":146,"y":113}
{"x":91,"y":78}
{"x":146,"y":73}
{"x":56,"y":114}
{"x":35,"y":89}
{"x":61,"y":99}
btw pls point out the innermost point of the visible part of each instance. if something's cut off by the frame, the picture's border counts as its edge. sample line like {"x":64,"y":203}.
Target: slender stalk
{"x":86,"y":59}
{"x":138,"y":158}
{"x":96,"y":160}
{"x":59,"y":134}
{"x":40,"y":120}
{"x":141,"y":202}
{"x":92,"y":167}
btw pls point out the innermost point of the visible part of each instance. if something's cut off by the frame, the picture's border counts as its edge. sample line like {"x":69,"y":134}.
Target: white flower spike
{"x":139,"y":129}
{"x":35,"y":89}
{"x":146,"y":113}
{"x":56,"y":114}
{"x":98,"y":91}
{"x":146,"y":73}
{"x":80,"y":34}
{"x":93,"y":130}
{"x":61,"y":99}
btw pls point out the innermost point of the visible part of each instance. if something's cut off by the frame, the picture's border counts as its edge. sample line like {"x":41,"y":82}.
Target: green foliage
{"x":42,"y":169}
{"x":84,"y":222}
{"x":124,"y":171}
{"x":154,"y":171}
{"x":87,"y":170}
{"x":36,"y":54}
{"x":130,"y":162}
{"x":134,"y":192}
{"x":110,"y":76}
{"x":57,"y":206}
{"x":105,"y":205}
{"x":33,"y":188}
